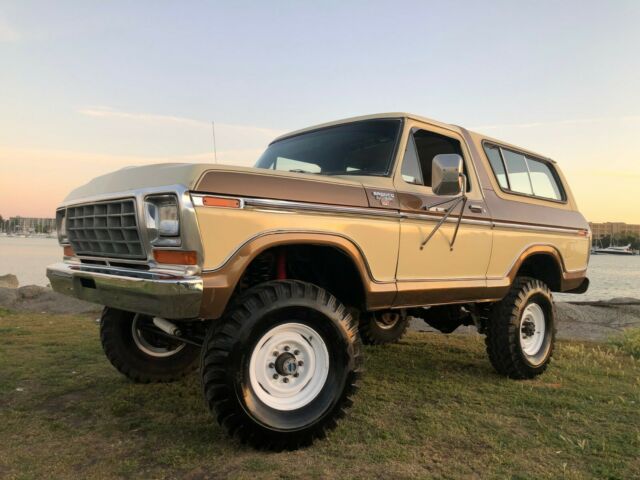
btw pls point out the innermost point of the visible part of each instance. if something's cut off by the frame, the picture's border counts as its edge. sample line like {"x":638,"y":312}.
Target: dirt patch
{"x":32,"y":298}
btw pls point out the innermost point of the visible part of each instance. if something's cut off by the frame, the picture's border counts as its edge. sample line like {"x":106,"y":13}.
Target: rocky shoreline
{"x":589,"y":321}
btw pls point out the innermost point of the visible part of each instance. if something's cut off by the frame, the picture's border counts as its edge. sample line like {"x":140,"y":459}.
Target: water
{"x":611,"y":275}
{"x":27,"y":258}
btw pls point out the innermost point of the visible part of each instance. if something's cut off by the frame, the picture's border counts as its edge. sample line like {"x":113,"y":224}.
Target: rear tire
{"x":141,"y":356}
{"x":521,"y":330}
{"x":282,"y":365}
{"x":381,"y":328}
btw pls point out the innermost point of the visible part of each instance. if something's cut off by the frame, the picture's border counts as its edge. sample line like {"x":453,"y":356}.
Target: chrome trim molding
{"x":267,"y":203}
{"x":539,"y":228}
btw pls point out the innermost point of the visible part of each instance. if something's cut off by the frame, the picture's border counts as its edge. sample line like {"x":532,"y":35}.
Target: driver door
{"x":437,"y":272}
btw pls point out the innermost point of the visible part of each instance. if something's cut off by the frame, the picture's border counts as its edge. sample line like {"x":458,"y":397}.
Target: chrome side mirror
{"x":447,"y":177}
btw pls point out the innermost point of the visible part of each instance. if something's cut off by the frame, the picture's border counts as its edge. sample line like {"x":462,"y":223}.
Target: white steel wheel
{"x":146,"y":343}
{"x":289,"y":366}
{"x":532,"y":329}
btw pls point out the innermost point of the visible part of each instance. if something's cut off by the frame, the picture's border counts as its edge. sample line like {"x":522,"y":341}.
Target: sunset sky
{"x":91,"y":87}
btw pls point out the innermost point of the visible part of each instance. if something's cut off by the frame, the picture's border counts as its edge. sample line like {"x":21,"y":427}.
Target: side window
{"x":543,"y":180}
{"x":516,"y":165}
{"x":519,"y":173}
{"x":422,"y":146}
{"x":498,"y":167}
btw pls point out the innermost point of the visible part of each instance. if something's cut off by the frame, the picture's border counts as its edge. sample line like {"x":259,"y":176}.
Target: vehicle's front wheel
{"x":138,"y":350}
{"x":521,"y":330}
{"x":282,"y":366}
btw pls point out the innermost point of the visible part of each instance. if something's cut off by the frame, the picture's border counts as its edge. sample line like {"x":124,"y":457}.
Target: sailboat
{"x":615,"y":250}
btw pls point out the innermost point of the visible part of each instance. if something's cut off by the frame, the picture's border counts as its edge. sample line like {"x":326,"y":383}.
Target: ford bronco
{"x":269,"y":278}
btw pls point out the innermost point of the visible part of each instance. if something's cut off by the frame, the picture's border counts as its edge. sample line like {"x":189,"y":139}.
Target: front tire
{"x":282,"y":366}
{"x":521,"y":330}
{"x":132,"y":348}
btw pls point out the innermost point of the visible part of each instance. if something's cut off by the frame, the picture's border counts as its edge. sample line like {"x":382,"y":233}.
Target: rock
{"x":30,"y":292}
{"x":9,"y":281}
{"x":33,"y":298}
{"x":8,"y":296}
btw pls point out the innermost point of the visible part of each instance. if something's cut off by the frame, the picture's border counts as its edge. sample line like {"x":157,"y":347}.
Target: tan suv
{"x":268,"y":277}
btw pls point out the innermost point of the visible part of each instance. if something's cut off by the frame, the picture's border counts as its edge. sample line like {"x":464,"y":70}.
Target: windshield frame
{"x":393,"y":158}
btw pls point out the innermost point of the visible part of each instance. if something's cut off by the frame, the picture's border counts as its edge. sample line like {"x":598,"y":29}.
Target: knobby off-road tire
{"x":521,"y":330}
{"x":283,"y":365}
{"x":380,"y":328}
{"x":140,"y":356}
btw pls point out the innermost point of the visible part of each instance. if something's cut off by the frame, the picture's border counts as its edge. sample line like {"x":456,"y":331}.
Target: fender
{"x":220,"y":284}
{"x":570,"y":279}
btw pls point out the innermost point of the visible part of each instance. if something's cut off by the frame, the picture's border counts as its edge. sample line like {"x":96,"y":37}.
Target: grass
{"x":430,"y":406}
{"x":628,"y":342}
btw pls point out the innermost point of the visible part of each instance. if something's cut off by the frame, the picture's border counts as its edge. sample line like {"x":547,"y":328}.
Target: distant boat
{"x":613,"y":250}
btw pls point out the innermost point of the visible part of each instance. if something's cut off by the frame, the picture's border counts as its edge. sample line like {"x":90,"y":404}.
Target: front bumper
{"x":139,"y":291}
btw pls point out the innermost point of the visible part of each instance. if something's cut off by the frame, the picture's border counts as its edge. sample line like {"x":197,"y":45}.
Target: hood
{"x":228,"y":180}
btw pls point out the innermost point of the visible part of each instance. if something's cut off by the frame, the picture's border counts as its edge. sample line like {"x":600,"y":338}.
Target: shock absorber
{"x":281,"y":264}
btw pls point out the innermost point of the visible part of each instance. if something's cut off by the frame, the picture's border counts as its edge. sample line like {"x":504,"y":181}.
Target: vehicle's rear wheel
{"x":137,"y":350}
{"x":281,"y":368}
{"x":379,"y":328}
{"x":521,"y":330}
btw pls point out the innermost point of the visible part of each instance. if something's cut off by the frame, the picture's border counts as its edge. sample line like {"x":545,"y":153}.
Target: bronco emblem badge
{"x":385,"y":198}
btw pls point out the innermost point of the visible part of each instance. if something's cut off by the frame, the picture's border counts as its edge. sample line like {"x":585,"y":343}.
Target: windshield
{"x":359,"y":148}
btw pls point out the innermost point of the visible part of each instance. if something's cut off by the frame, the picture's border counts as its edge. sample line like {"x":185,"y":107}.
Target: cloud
{"x":152,"y":118}
{"x":7,"y":32}
{"x":554,"y":123}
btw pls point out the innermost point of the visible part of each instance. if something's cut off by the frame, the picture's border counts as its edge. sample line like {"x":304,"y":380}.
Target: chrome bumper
{"x":137,"y":291}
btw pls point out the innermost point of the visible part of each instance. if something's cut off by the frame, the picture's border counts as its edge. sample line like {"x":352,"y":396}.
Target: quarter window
{"x":520,"y":173}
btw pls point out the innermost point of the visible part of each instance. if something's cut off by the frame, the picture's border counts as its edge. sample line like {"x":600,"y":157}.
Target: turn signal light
{"x":221,"y":202}
{"x":176,"y":257}
{"x":68,"y":251}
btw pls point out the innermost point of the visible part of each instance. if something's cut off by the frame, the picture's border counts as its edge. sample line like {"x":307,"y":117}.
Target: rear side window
{"x":520,"y":173}
{"x":543,"y":181}
{"x":498,"y":167}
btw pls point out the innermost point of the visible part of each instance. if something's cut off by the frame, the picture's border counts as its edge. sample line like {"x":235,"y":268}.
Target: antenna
{"x":215,"y":152}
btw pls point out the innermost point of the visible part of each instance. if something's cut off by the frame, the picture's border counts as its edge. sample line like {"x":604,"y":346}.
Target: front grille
{"x":105,"y":229}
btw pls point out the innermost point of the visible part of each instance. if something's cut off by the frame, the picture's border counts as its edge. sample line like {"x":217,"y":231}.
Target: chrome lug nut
{"x":286,"y":348}
{"x":296,"y":374}
{"x":300,"y":363}
{"x":275,"y":376}
{"x":275,"y":353}
{"x":272,"y":365}
{"x":296,"y":352}
{"x":285,"y":380}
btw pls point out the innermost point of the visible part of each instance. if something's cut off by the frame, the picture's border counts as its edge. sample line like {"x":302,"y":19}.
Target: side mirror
{"x":447,"y":175}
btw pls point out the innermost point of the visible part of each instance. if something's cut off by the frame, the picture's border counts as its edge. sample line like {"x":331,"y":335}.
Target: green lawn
{"x":430,"y":406}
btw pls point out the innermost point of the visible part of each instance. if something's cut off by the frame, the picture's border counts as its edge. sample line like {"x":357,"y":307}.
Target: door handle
{"x":474,"y":207}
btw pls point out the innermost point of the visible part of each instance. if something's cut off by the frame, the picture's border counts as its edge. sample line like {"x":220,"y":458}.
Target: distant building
{"x":29,"y":225}
{"x":613,"y":229}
